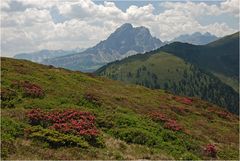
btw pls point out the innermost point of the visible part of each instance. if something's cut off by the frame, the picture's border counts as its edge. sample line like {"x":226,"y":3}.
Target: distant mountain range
{"x":209,"y":72}
{"x":125,"y":41}
{"x":196,"y":38}
{"x":41,"y":55}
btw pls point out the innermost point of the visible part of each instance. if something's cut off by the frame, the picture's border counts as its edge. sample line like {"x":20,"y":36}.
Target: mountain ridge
{"x":40,"y":56}
{"x":138,"y":40}
{"x":196,"y":38}
{"x":219,"y":57}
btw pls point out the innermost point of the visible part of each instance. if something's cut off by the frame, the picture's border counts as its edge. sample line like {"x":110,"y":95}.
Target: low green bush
{"x":189,"y":156}
{"x":105,"y":121}
{"x":90,"y":100}
{"x":86,"y":103}
{"x":96,"y":141}
{"x":179,"y":145}
{"x":168,"y":136}
{"x":9,"y":98}
{"x":135,"y":135}
{"x":55,"y":138}
{"x":124,"y":120}
{"x":9,"y":131}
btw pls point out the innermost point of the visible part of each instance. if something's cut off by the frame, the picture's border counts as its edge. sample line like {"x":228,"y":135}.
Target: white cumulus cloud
{"x":231,"y":6}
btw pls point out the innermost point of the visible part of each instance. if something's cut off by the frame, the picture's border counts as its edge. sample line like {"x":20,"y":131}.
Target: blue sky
{"x":33,"y":25}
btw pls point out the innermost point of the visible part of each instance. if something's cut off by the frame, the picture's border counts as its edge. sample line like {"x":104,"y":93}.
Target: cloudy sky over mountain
{"x":30,"y":25}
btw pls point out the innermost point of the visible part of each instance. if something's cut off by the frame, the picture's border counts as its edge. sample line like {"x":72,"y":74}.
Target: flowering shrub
{"x":157,"y":116}
{"x":173,"y":125}
{"x":168,"y":123}
{"x":187,"y":100}
{"x":36,"y":117}
{"x":68,"y":121}
{"x":184,"y":100}
{"x":90,"y":97}
{"x":30,"y":89}
{"x":222,"y":114}
{"x":179,"y":110}
{"x":211,"y":150}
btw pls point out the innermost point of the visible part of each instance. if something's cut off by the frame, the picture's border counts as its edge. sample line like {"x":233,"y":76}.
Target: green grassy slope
{"x":220,"y":57}
{"x":166,"y":71}
{"x":126,"y":130}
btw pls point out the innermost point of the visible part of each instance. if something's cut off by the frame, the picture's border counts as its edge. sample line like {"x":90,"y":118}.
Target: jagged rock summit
{"x":125,"y":41}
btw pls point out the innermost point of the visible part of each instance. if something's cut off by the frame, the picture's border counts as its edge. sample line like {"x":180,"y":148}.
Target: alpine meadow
{"x":119,"y":80}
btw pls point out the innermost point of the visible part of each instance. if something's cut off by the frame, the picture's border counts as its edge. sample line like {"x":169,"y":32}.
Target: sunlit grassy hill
{"x":124,"y":121}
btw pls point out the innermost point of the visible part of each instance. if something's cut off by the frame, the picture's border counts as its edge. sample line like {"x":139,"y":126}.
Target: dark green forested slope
{"x":209,"y":64}
{"x":117,"y":121}
{"x":220,"y":57}
{"x":162,"y":70}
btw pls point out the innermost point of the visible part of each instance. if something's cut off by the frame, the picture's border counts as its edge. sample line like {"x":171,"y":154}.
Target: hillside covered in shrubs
{"x":53,"y":113}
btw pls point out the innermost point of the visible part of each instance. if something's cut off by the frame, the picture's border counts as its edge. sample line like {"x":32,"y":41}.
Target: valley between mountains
{"x":131,"y":96}
{"x":210,"y":72}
